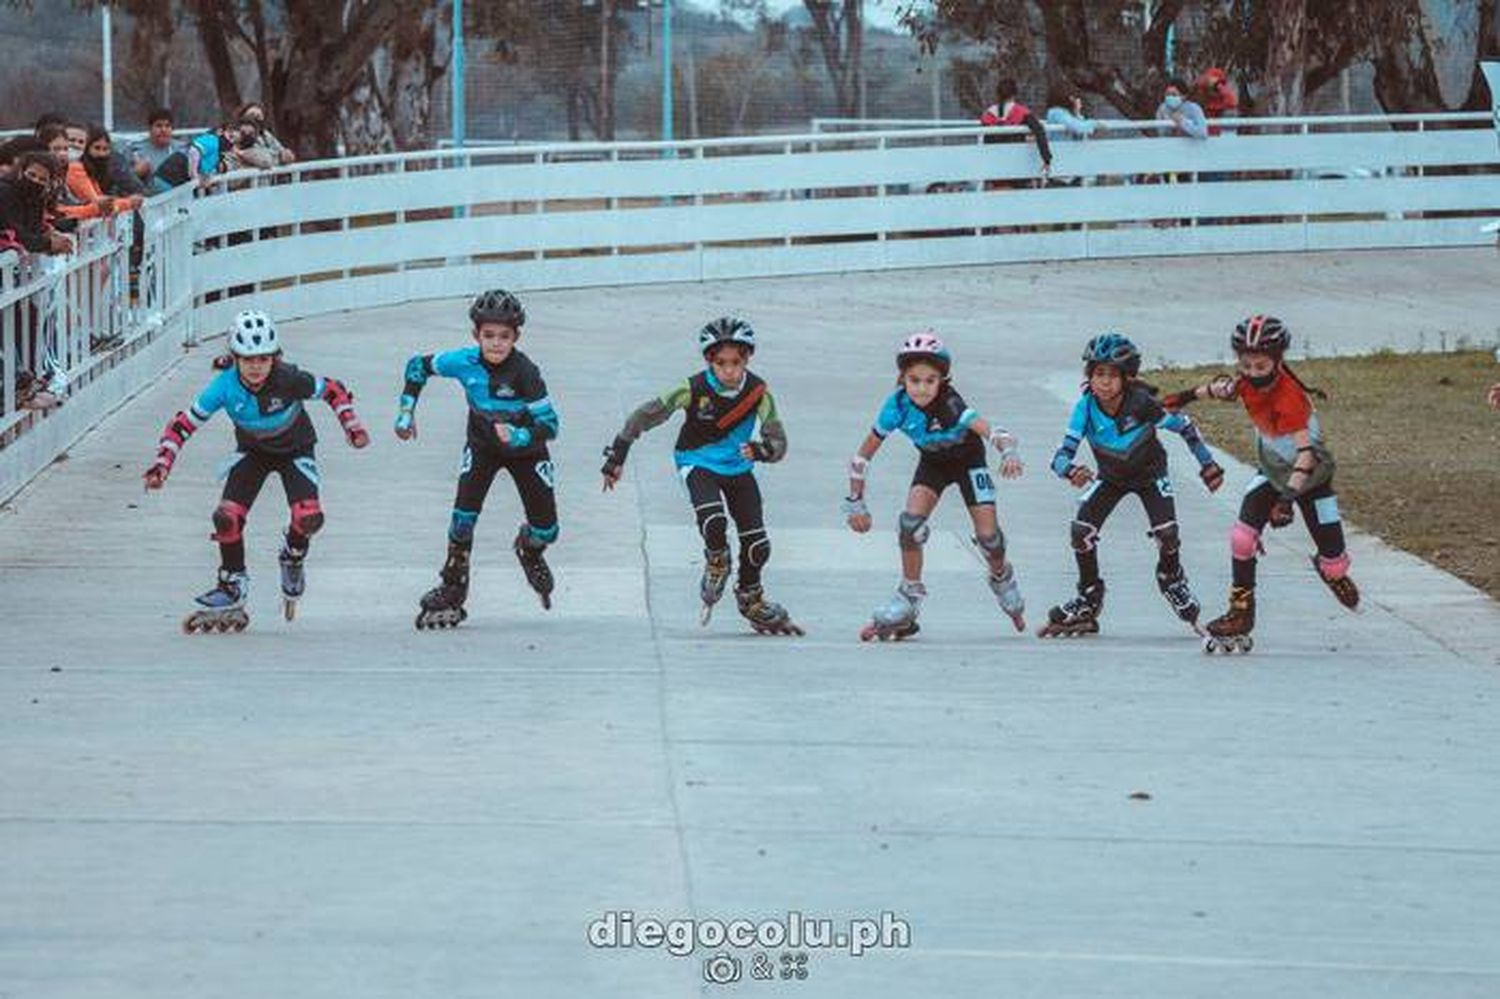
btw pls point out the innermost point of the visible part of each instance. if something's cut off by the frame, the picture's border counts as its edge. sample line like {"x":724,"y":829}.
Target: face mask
{"x":1173,"y":102}
{"x":74,"y":155}
{"x":1264,"y":381}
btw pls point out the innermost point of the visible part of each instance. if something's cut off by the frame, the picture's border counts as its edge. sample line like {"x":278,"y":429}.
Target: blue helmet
{"x":1113,"y":348}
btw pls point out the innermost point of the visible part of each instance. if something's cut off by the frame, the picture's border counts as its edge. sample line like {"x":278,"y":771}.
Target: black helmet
{"x":1261,"y":335}
{"x":725,"y":329}
{"x":498,"y":306}
{"x":1113,"y":348}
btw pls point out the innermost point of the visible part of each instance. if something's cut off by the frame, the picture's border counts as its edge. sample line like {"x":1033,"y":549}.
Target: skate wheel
{"x":289,"y":609}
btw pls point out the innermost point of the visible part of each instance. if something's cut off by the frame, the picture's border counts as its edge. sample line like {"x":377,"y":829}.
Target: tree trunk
{"x":1286,"y":57}
{"x":326,"y":51}
{"x":838,"y":26}
{"x":390,"y":107}
{"x":213,"y":33}
{"x":1406,"y":78}
{"x":606,"y":70}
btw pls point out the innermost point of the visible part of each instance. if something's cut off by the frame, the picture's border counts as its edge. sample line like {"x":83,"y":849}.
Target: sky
{"x":880,"y":14}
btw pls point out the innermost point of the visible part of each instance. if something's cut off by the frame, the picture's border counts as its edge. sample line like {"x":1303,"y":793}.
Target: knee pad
{"x":461,"y":526}
{"x":229,"y":522}
{"x":712,"y":522}
{"x":537,"y":538}
{"x":1244,"y":541}
{"x":755,"y":548}
{"x":307,"y":517}
{"x":993,"y":548}
{"x":1334,"y":568}
{"x":1085,"y":537}
{"x":912,"y":531}
{"x":1167,"y":537}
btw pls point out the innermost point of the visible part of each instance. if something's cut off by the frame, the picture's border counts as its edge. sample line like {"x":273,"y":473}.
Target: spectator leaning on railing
{"x":1214,"y":93}
{"x":1186,"y":116}
{"x":1007,"y":110}
{"x":201,"y":158}
{"x":63,"y":204}
{"x":11,"y":150}
{"x":148,"y":153}
{"x":25,"y":198}
{"x":24,"y":203}
{"x":94,"y":179}
{"x":266,"y":151}
{"x":1065,"y":108}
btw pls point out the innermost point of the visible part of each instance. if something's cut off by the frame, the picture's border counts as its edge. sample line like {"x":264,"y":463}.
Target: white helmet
{"x":252,"y":334}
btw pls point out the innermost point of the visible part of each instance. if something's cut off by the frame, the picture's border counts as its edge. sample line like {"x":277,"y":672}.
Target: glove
{"x":856,"y":513}
{"x":354,"y":431}
{"x":156,"y":475}
{"x":1212,"y":476}
{"x":1176,"y":400}
{"x":406,"y":423}
{"x":513,"y":436}
{"x":614,"y":461}
{"x":614,"y":456}
{"x":854,"y":506}
{"x":758,"y":451}
{"x":1080,"y":475}
{"x":1223,"y":387}
{"x":1281,"y":512}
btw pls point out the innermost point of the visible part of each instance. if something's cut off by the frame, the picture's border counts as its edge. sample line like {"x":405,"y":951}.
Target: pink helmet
{"x":924,"y":346}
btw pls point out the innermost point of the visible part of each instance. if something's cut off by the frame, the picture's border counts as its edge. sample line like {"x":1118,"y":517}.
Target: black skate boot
{"x":766,"y":616}
{"x":1342,"y":586}
{"x":1077,"y":617}
{"x":716,"y":567}
{"x":1231,"y":632}
{"x":443,"y":605}
{"x":221,"y":608}
{"x":1174,"y":586}
{"x":293,"y":581}
{"x":538,"y":574}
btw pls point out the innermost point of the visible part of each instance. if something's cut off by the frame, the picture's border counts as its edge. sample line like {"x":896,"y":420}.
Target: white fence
{"x":371,"y":231}
{"x":357,"y":233}
{"x":71,"y":324}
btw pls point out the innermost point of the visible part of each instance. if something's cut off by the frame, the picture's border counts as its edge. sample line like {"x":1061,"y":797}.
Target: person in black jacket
{"x":24,"y":201}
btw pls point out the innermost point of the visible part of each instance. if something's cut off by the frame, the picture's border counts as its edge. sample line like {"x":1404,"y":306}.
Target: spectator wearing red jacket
{"x":1007,"y":110}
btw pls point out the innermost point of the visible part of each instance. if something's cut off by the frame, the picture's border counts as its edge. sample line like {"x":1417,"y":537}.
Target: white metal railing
{"x":1300,"y":123}
{"x":56,"y":311}
{"x":373,"y":230}
{"x":71,"y":326}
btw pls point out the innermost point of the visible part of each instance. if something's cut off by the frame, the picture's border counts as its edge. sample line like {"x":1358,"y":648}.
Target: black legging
{"x":1100,"y":501}
{"x":1319,"y":509}
{"x":299,"y":476}
{"x":710,"y":492}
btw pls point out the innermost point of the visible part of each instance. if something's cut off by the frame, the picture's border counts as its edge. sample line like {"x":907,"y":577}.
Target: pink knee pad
{"x":1244,"y":540}
{"x":1334,"y":568}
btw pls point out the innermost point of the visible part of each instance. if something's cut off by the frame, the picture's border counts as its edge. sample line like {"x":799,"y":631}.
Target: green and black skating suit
{"x":717,"y":423}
